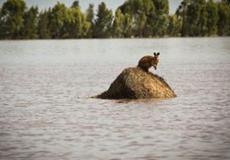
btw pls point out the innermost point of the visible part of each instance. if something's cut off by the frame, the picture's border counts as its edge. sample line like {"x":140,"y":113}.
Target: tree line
{"x":134,"y":18}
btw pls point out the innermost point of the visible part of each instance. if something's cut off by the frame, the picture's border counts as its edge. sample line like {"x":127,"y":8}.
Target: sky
{"x":112,"y":4}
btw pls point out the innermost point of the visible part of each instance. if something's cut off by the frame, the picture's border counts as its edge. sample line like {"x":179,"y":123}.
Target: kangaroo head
{"x":156,"y":59}
{"x":156,"y":54}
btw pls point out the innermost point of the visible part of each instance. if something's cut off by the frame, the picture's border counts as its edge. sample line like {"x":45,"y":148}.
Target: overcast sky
{"x":112,"y":4}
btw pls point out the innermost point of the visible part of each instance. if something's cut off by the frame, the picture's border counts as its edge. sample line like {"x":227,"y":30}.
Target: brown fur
{"x":148,"y":61}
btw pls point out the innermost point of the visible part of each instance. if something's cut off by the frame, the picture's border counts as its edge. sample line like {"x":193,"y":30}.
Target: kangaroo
{"x":148,"y":61}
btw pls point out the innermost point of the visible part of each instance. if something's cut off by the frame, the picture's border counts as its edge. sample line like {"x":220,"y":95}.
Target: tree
{"x":202,"y":22}
{"x":175,"y":26}
{"x":86,"y":27}
{"x":43,"y":25}
{"x":75,"y":24}
{"x":226,"y":1}
{"x":30,"y":23}
{"x":2,"y":34}
{"x":161,"y":19}
{"x":212,"y":18}
{"x":134,"y":18}
{"x":224,"y":19}
{"x":72,"y":23}
{"x":127,"y":26}
{"x":103,"y":22}
{"x":194,"y":17}
{"x":139,"y":12}
{"x":118,"y":24}
{"x":181,"y":13}
{"x":149,"y":17}
{"x":90,"y":19}
{"x":75,"y":4}
{"x":90,"y":13}
{"x":12,"y":19}
{"x":57,"y":18}
{"x":122,"y":25}
{"x":162,"y":6}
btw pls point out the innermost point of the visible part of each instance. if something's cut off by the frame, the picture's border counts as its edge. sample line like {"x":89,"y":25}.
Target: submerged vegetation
{"x":134,"y":18}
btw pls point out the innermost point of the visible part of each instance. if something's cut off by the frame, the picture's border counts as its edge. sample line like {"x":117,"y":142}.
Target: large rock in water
{"x":134,"y":83}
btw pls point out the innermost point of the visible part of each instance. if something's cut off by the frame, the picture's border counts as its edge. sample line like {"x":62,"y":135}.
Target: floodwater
{"x":46,"y":112}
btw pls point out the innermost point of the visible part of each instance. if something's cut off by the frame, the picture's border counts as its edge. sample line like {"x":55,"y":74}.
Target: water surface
{"x":46,"y":112}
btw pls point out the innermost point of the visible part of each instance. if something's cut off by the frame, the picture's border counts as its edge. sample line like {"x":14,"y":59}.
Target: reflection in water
{"x":45,"y":111}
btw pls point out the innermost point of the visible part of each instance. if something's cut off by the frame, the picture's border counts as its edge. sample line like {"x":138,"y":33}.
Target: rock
{"x":134,"y":83}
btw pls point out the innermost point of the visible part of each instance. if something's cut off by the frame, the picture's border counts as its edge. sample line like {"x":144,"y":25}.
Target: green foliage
{"x":175,"y":26}
{"x":119,"y":24}
{"x":226,"y":1}
{"x":195,"y":18}
{"x":30,"y":23}
{"x":122,"y":25}
{"x":72,"y":27}
{"x":90,"y":14}
{"x":204,"y":18}
{"x":224,"y":19}
{"x":149,"y":17}
{"x":12,"y":19}
{"x":57,"y":19}
{"x":103,"y":22}
{"x":76,"y":25}
{"x":212,"y":18}
{"x":162,"y":6}
{"x":134,"y":18}
{"x":75,"y":4}
{"x":90,"y":19}
{"x":43,"y":25}
{"x":181,"y":13}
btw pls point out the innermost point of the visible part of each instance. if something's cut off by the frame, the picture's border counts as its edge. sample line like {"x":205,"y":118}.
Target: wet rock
{"x":134,"y":83}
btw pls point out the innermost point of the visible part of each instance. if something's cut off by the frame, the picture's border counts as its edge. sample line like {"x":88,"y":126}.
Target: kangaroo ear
{"x":154,"y":54}
{"x":158,"y":53}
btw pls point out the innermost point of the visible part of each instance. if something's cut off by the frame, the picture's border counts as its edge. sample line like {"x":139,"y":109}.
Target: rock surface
{"x":134,"y":83}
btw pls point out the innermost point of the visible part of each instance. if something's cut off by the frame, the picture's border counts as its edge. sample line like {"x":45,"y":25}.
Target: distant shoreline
{"x":115,"y":38}
{"x":134,"y":19}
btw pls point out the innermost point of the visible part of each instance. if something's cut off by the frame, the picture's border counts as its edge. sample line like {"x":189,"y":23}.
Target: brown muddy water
{"x":46,"y":112}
